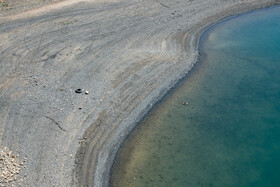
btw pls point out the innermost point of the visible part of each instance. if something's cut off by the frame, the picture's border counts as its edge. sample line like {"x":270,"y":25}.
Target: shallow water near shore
{"x":229,"y":133}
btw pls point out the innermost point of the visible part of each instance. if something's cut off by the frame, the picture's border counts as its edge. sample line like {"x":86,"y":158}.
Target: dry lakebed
{"x":77,"y":76}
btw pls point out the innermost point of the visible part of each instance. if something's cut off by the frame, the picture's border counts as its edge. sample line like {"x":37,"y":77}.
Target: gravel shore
{"x":124,"y":55}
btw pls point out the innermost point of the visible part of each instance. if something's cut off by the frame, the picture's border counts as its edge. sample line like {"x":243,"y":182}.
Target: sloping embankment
{"x":127,"y":54}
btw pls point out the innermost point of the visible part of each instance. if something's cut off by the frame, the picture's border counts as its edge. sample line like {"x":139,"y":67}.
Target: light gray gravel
{"x":126,"y":53}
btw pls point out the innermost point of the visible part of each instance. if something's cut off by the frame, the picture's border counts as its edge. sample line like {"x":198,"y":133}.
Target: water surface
{"x":229,"y":133}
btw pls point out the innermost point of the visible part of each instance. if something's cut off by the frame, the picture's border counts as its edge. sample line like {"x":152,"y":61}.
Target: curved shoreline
{"x":148,"y":157}
{"x":198,"y":35}
{"x":127,"y":54}
{"x":106,"y":166}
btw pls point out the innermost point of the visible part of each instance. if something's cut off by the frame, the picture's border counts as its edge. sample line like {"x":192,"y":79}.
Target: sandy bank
{"x":127,"y":54}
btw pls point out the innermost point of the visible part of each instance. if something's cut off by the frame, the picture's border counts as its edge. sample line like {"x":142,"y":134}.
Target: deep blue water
{"x":229,"y":133}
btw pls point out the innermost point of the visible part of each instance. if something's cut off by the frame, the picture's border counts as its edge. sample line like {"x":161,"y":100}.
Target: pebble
{"x":185,"y":103}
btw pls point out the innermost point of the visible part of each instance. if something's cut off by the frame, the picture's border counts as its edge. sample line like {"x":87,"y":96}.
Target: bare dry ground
{"x":126,"y":53}
{"x":12,"y":7}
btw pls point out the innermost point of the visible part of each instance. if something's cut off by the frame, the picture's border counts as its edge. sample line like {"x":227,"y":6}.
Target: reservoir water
{"x":229,"y":133}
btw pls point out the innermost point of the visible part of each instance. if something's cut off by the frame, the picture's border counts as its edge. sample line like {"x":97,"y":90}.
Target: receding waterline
{"x":228,"y":133}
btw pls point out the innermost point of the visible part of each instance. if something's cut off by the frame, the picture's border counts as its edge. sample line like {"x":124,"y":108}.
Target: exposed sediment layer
{"x":127,"y":54}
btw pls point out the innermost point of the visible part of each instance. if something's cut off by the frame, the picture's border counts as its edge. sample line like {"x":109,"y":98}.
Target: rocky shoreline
{"x":126,"y":54}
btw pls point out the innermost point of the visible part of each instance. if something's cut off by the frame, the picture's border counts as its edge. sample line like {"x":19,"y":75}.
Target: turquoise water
{"x":229,"y":133}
